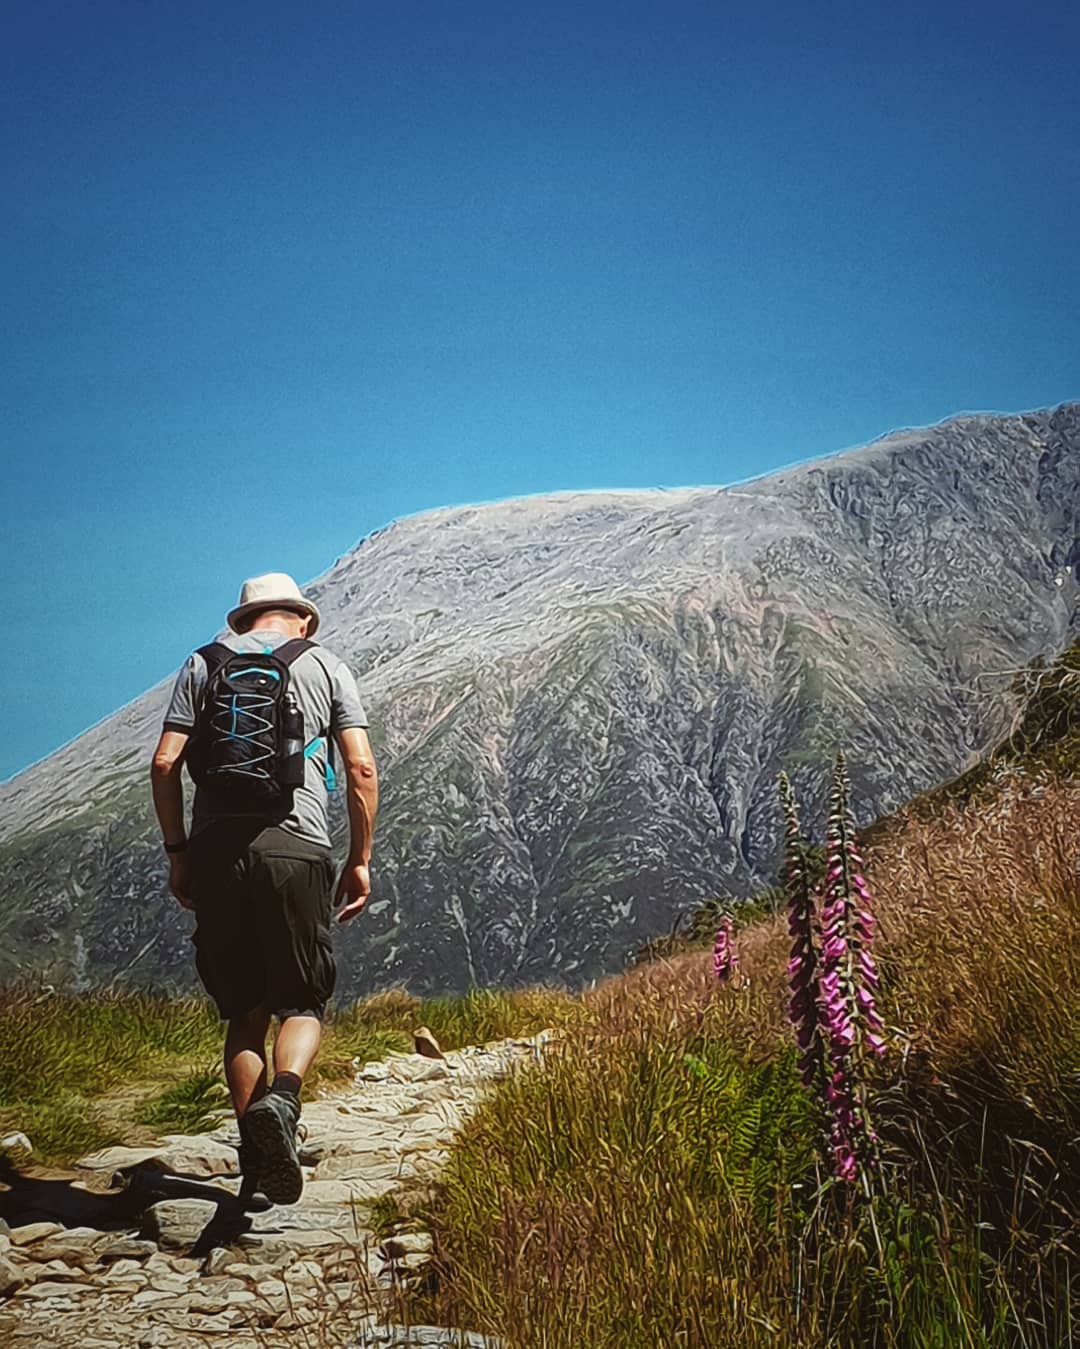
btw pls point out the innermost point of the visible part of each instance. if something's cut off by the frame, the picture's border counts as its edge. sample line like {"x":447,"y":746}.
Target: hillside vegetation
{"x":662,"y":1179}
{"x":662,"y":1183}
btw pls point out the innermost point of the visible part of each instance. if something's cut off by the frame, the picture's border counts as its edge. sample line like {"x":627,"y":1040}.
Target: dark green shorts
{"x":263,"y":903}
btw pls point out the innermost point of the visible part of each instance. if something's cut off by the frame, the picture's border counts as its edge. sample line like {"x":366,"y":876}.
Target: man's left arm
{"x":168,"y":792}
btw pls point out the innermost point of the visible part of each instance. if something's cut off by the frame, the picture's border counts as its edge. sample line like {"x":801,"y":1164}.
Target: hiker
{"x":256,"y":717}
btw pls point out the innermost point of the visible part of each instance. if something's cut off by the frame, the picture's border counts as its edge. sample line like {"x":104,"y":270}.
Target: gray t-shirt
{"x":328,"y":696}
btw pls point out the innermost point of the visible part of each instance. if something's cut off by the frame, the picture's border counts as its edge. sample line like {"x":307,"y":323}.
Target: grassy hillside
{"x":662,"y":1183}
{"x":661,"y":1180}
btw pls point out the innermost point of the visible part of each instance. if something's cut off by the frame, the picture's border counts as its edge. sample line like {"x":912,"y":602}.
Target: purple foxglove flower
{"x":725,"y":962}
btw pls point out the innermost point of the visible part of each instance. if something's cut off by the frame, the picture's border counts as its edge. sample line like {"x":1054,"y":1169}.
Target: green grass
{"x":96,"y":1041}
{"x":667,"y":1193}
{"x":63,"y":1125}
{"x":79,"y":1071}
{"x":191,"y":1106}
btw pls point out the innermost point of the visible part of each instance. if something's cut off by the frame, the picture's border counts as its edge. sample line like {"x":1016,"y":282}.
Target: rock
{"x":10,"y":1277}
{"x":31,"y":1232}
{"x":283,"y":1247}
{"x":373,"y":1072}
{"x":219,"y":1260}
{"x":16,"y":1144}
{"x":165,"y":1337}
{"x":425,"y":1043}
{"x":126,"y":1272}
{"x":295,"y":1318}
{"x":419,"y":1069}
{"x":46,"y":1288}
{"x":211,"y":1325}
{"x":118,"y":1159}
{"x":311,"y":1154}
{"x":406,"y":1243}
{"x":257,"y":1274}
{"x":127,"y":1248}
{"x":151,"y":1296}
{"x":422,"y":1337}
{"x":171,"y":1283}
{"x":374,"y":1168}
{"x":213,"y":1304}
{"x":176,"y":1224}
{"x":198,"y":1155}
{"x":55,"y":1269}
{"x":303,"y":1271}
{"x":76,"y":1245}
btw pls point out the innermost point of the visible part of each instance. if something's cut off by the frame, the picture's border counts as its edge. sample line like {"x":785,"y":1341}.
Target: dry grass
{"x":620,"y":1199}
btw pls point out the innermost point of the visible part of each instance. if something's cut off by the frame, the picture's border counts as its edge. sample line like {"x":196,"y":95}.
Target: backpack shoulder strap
{"x":214,"y":653}
{"x":328,"y":733}
{"x":288,"y":651}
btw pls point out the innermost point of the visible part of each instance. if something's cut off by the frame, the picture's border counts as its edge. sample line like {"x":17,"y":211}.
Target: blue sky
{"x":273,"y":275}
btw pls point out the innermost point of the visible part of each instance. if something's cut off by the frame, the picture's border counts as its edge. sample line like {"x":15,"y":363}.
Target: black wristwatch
{"x":175,"y":847}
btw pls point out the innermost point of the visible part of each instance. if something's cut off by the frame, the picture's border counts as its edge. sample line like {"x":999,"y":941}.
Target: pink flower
{"x":725,"y":962}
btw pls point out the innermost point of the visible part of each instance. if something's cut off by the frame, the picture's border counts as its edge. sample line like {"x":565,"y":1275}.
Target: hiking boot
{"x":250,"y":1196}
{"x":270,"y":1125}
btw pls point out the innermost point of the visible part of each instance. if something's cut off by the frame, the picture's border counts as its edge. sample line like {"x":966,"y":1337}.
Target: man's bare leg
{"x":245,"y":1058}
{"x":297,"y":1043}
{"x":272,"y":1122}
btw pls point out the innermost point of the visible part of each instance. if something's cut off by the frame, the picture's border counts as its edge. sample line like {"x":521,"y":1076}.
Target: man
{"x":261,"y":887}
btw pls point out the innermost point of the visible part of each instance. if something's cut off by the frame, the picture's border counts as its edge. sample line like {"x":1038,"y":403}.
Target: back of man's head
{"x":289,"y":621}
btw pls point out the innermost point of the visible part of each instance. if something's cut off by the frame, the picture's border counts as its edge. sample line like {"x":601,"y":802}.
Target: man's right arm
{"x":166,"y":782}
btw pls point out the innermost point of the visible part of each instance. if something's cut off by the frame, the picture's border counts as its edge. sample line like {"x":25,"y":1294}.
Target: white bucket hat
{"x":275,"y":590}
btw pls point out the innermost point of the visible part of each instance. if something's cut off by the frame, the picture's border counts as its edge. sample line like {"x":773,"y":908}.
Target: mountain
{"x":579,"y":703}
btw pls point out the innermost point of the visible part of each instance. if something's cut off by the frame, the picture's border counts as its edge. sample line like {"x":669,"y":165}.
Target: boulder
{"x":176,"y":1224}
{"x":16,"y":1144}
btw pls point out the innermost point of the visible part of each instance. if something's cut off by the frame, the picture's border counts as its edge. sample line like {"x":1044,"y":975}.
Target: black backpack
{"x":247,"y":749}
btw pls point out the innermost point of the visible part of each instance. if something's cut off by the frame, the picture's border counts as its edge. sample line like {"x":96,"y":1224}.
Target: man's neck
{"x":274,"y":629}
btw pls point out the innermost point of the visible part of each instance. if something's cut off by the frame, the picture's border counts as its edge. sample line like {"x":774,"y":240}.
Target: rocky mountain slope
{"x":580,"y":703}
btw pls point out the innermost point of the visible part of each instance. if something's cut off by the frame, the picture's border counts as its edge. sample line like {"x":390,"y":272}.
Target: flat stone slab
{"x":422,"y":1337}
{"x":200,"y":1155}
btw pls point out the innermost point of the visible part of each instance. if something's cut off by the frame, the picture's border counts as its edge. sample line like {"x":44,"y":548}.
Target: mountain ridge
{"x":579,"y":701}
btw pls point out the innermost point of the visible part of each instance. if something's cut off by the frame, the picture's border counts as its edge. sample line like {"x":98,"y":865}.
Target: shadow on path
{"x":28,"y":1198}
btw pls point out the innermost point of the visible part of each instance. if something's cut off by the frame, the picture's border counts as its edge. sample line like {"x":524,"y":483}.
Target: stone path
{"x":146,"y":1247}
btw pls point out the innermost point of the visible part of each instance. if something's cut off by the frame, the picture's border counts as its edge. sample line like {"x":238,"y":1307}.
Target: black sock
{"x":286,"y":1084}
